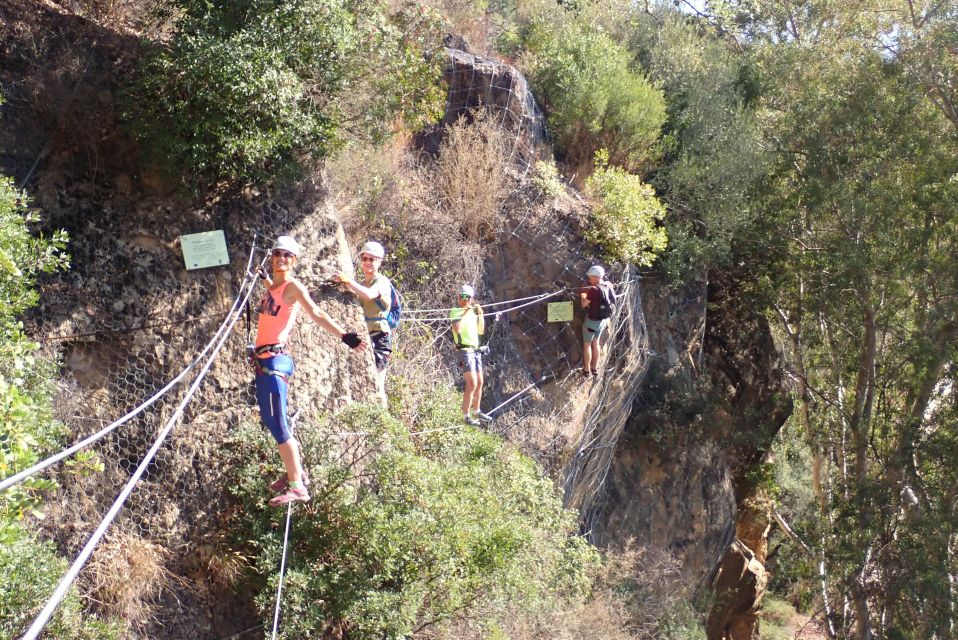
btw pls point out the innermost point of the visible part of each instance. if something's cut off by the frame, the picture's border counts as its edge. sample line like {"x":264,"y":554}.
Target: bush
{"x":470,"y":173}
{"x":30,"y":568}
{"x":626,"y":224}
{"x":593,"y":97}
{"x":250,"y":89}
{"x":406,"y":534}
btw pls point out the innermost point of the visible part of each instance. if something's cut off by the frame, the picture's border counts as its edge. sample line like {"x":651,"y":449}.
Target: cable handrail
{"x":40,"y":466}
{"x":536,"y":300}
{"x":60,"y":592}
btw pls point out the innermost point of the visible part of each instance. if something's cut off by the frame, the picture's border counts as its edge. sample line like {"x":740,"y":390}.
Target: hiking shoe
{"x":595,"y":372}
{"x":585,"y":373}
{"x":472,"y":422}
{"x":281,"y":483}
{"x":484,"y":417}
{"x":291,"y":495}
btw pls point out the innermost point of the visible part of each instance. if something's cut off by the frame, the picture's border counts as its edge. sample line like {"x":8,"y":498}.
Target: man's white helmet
{"x":467,"y":290}
{"x":286,"y":243}
{"x":374,"y":249}
{"x":595,"y":270}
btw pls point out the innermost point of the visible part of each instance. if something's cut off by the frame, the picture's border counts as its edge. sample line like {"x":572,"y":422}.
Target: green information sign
{"x":207,"y":249}
{"x":560,"y":312}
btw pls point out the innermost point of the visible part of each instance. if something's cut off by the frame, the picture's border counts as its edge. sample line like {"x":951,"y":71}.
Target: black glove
{"x":351,"y":339}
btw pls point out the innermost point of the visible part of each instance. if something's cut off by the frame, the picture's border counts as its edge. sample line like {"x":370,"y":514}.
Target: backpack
{"x":395,"y":307}
{"x":606,"y":303}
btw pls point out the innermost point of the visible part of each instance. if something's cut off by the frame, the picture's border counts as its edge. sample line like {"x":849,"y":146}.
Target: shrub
{"x":593,"y":97}
{"x":249,"y":89}
{"x":470,"y":173}
{"x":30,"y":568}
{"x":626,"y":224}
{"x":547,"y":180}
{"x":406,"y":534}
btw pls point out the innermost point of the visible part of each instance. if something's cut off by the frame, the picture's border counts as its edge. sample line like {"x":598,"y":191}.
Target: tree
{"x":864,"y":188}
{"x":251,"y":89}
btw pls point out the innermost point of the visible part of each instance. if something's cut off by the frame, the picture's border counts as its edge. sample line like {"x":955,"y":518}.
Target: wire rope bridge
{"x":113,"y":361}
{"x":514,"y":320}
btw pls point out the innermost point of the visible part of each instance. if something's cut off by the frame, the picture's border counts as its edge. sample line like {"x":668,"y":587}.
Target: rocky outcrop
{"x":705,"y":415}
{"x":479,"y":82}
{"x":669,"y":486}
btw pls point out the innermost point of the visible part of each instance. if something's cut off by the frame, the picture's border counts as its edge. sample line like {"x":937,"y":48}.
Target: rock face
{"x":705,"y":414}
{"x":478,"y":82}
{"x":128,"y":318}
{"x":669,"y":485}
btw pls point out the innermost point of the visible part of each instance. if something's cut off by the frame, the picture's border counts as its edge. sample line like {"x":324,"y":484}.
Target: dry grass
{"x":125,"y":576}
{"x":215,"y":564}
{"x":636,"y":594}
{"x":470,"y":174}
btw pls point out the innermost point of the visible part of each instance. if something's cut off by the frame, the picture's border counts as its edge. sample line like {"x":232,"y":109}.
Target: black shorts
{"x":382,"y":348}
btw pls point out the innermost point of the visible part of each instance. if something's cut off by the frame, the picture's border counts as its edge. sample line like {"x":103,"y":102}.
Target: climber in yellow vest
{"x":375,"y":297}
{"x":468,"y":326}
{"x":278,"y":309}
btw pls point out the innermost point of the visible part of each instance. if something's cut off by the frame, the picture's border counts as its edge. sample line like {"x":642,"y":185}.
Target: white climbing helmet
{"x":286,"y":243}
{"x":467,"y":290}
{"x":595,"y":270}
{"x":374,"y":249}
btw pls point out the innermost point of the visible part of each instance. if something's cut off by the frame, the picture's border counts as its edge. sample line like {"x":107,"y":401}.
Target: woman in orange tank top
{"x":278,"y":310}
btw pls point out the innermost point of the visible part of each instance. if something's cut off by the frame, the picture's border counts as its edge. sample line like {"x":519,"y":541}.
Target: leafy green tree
{"x":627,"y":221}
{"x":593,"y":94}
{"x":252,"y":89}
{"x":414,"y":533}
{"x":865,"y":190}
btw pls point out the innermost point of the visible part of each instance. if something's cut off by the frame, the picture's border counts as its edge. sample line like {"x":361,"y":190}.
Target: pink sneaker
{"x":291,"y":495}
{"x":282,"y":482}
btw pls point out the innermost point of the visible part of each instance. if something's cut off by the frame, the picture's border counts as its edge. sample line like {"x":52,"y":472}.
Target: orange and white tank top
{"x":276,"y":318}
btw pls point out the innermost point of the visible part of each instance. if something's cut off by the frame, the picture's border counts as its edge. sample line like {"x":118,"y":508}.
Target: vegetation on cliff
{"x":30,"y":567}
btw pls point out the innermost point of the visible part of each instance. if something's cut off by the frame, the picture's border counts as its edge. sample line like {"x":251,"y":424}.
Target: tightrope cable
{"x":34,"y":631}
{"x":282,"y":571}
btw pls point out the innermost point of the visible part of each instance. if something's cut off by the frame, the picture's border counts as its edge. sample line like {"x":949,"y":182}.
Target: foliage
{"x":31,"y":570}
{"x":627,"y":222}
{"x":27,"y":425}
{"x":713,"y":153}
{"x":250,"y":89}
{"x":404,"y":534}
{"x":863,"y":190}
{"x":547,"y":180}
{"x":593,"y":95}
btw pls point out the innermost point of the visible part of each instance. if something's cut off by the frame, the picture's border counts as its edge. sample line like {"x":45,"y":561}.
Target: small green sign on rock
{"x":206,"y":249}
{"x":560,"y":312}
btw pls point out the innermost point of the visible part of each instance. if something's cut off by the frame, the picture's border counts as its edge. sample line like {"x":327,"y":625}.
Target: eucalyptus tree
{"x":864,"y":190}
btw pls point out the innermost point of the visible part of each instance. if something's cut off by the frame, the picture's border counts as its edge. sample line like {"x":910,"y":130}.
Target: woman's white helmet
{"x":595,"y":270}
{"x":286,"y":243}
{"x":374,"y":249}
